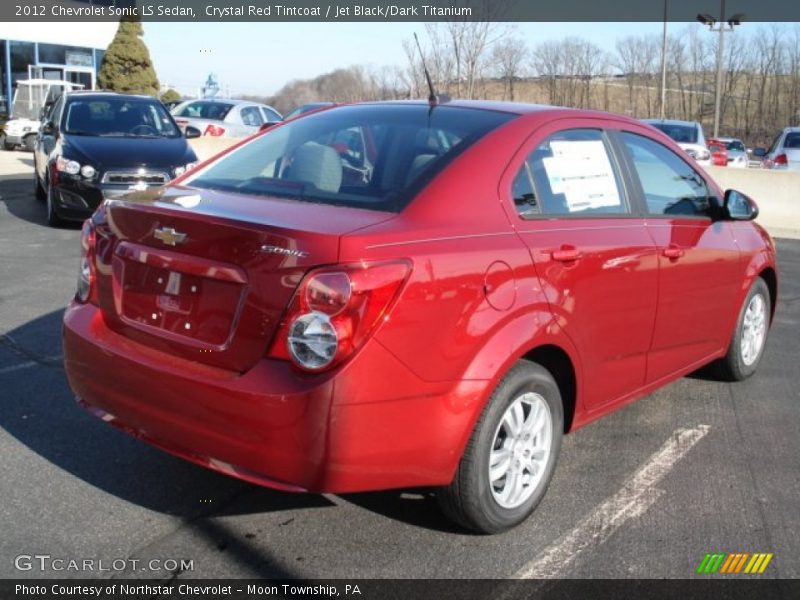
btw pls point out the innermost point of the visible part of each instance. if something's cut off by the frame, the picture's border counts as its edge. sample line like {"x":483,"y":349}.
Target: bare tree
{"x":508,"y":59}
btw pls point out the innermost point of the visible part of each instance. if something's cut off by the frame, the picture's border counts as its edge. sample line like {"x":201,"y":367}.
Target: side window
{"x":270,"y":116}
{"x":252,"y":116}
{"x":569,"y":173}
{"x":670,"y":185}
{"x":54,"y":113}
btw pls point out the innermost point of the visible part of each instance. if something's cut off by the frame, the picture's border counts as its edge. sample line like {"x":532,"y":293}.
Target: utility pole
{"x":664,"y":65}
{"x":722,"y":27}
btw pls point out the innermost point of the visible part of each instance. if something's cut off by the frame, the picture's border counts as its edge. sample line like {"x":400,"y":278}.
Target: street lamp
{"x":723,"y":27}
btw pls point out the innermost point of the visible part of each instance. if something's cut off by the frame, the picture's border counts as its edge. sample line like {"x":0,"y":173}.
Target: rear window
{"x":736,"y":146}
{"x":792,"y":140}
{"x":683,"y":134}
{"x":376,"y":156}
{"x":213,"y":111}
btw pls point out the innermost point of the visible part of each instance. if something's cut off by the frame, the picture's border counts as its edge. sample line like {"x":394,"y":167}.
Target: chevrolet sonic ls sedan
{"x":409,"y":294}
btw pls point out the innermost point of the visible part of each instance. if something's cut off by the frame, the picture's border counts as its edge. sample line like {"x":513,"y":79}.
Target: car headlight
{"x":64,"y":165}
{"x":88,"y":171}
{"x":180,"y":170}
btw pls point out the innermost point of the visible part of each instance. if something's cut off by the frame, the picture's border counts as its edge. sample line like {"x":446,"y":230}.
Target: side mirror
{"x":739,"y":207}
{"x":759,"y":152}
{"x":48,"y":128}
{"x":192,"y":132}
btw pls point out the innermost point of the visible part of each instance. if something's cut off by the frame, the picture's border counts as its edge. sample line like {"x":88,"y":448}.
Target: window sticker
{"x":582,"y":172}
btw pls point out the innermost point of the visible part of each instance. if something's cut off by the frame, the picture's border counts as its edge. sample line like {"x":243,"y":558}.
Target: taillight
{"x":214,"y":131}
{"x":335,"y":310}
{"x":781,"y":159}
{"x":86,"y":274}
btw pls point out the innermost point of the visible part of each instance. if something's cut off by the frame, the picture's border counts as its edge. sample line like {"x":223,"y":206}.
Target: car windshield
{"x":368,"y":156}
{"x":683,"y":134}
{"x":213,"y":111}
{"x":736,"y":146}
{"x":118,"y":117}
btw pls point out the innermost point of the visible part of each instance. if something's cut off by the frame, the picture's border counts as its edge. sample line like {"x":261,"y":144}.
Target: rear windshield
{"x":736,"y":146}
{"x":792,"y":140}
{"x":374,"y":156}
{"x":683,"y":134}
{"x":213,"y":111}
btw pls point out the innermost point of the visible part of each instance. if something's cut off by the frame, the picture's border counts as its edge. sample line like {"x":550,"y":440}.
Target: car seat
{"x":318,"y":165}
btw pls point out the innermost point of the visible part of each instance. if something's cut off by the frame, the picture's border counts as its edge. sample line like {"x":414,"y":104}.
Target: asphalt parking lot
{"x":697,"y":467}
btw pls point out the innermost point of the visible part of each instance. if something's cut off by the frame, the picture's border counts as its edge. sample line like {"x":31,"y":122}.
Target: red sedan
{"x":719,"y":153}
{"x":435,"y":308}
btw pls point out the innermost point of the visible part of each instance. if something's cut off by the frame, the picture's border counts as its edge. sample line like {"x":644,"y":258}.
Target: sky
{"x":259,"y":58}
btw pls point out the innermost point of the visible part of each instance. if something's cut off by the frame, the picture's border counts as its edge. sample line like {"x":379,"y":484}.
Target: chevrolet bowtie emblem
{"x":169,"y":236}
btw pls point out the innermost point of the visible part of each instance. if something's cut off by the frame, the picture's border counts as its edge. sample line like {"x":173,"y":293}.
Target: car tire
{"x":28,"y":142}
{"x":41,"y":193}
{"x":53,"y":220}
{"x":6,"y":145}
{"x":486,"y":497}
{"x":750,"y":336}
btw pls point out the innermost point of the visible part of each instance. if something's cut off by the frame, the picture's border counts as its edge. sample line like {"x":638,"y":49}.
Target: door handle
{"x":672,"y":251}
{"x":566,"y":254}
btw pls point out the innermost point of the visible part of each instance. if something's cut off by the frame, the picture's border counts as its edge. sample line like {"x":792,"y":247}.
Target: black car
{"x":96,"y":145}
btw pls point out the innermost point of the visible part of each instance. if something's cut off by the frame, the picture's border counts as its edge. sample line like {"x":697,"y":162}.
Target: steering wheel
{"x":148,"y":130}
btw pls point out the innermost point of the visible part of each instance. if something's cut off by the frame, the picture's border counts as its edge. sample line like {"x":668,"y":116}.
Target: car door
{"x":699,"y":263}
{"x":592,"y":253}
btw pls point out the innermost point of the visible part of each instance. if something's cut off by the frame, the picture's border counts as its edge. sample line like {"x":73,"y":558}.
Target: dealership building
{"x":68,"y":51}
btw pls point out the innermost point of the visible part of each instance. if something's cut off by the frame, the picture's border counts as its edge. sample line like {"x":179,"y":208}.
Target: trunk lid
{"x":207,"y":276}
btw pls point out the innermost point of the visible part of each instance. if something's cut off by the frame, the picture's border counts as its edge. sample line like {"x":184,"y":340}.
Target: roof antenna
{"x":433,"y":99}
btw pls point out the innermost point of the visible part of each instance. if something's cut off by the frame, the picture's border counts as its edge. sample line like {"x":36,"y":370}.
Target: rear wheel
{"x":750,"y":337}
{"x":511,"y":455}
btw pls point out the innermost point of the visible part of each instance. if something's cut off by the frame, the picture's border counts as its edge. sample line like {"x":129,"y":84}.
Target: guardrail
{"x":777,"y":194}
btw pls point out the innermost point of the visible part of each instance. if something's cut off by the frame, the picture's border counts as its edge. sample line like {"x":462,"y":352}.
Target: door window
{"x":252,"y":116}
{"x":572,"y":172}
{"x":671,"y":187}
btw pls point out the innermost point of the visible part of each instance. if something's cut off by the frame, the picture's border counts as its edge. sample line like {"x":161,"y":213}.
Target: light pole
{"x":722,"y":27}
{"x":664,"y":65}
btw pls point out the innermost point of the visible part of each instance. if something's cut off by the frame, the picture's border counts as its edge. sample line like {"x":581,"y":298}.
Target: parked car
{"x":784,"y":154}
{"x":225,"y":118}
{"x":503,"y":274}
{"x":719,"y":153}
{"x":688,"y":135}
{"x":31,"y":98}
{"x":735,"y":150}
{"x":97,"y":145}
{"x":306,"y":108}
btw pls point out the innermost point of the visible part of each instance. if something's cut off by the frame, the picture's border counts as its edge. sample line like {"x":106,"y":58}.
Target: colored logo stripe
{"x":734,"y":563}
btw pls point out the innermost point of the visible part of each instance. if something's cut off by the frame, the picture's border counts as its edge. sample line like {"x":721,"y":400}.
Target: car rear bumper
{"x":372,"y":425}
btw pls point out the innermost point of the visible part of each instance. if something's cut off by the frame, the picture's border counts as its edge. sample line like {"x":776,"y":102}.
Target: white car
{"x":784,"y":154}
{"x":688,"y":135}
{"x":31,"y":97}
{"x":224,"y":117}
{"x":737,"y":153}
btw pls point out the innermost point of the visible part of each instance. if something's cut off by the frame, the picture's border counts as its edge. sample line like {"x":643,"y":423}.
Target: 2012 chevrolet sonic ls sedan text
{"x":409,"y":294}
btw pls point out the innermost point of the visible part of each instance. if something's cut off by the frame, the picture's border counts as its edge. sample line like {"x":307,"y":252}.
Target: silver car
{"x":224,"y":117}
{"x":688,"y":135}
{"x":737,"y":153}
{"x":784,"y":153}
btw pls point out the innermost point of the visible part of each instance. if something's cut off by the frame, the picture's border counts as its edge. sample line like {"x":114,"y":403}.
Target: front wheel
{"x":511,"y":455}
{"x":750,"y":337}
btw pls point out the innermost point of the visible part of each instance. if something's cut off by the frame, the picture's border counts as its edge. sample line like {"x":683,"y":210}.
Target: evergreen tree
{"x":170,"y":96}
{"x":126,"y":64}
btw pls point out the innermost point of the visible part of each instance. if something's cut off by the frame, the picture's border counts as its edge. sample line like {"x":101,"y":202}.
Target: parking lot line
{"x":635,"y":497}
{"x":18,"y":367}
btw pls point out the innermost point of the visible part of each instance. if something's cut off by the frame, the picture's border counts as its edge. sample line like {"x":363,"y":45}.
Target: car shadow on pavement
{"x":17,"y":194}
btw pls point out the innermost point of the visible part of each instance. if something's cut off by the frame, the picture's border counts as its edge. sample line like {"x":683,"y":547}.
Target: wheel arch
{"x":770,"y":277}
{"x":556,"y":360}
